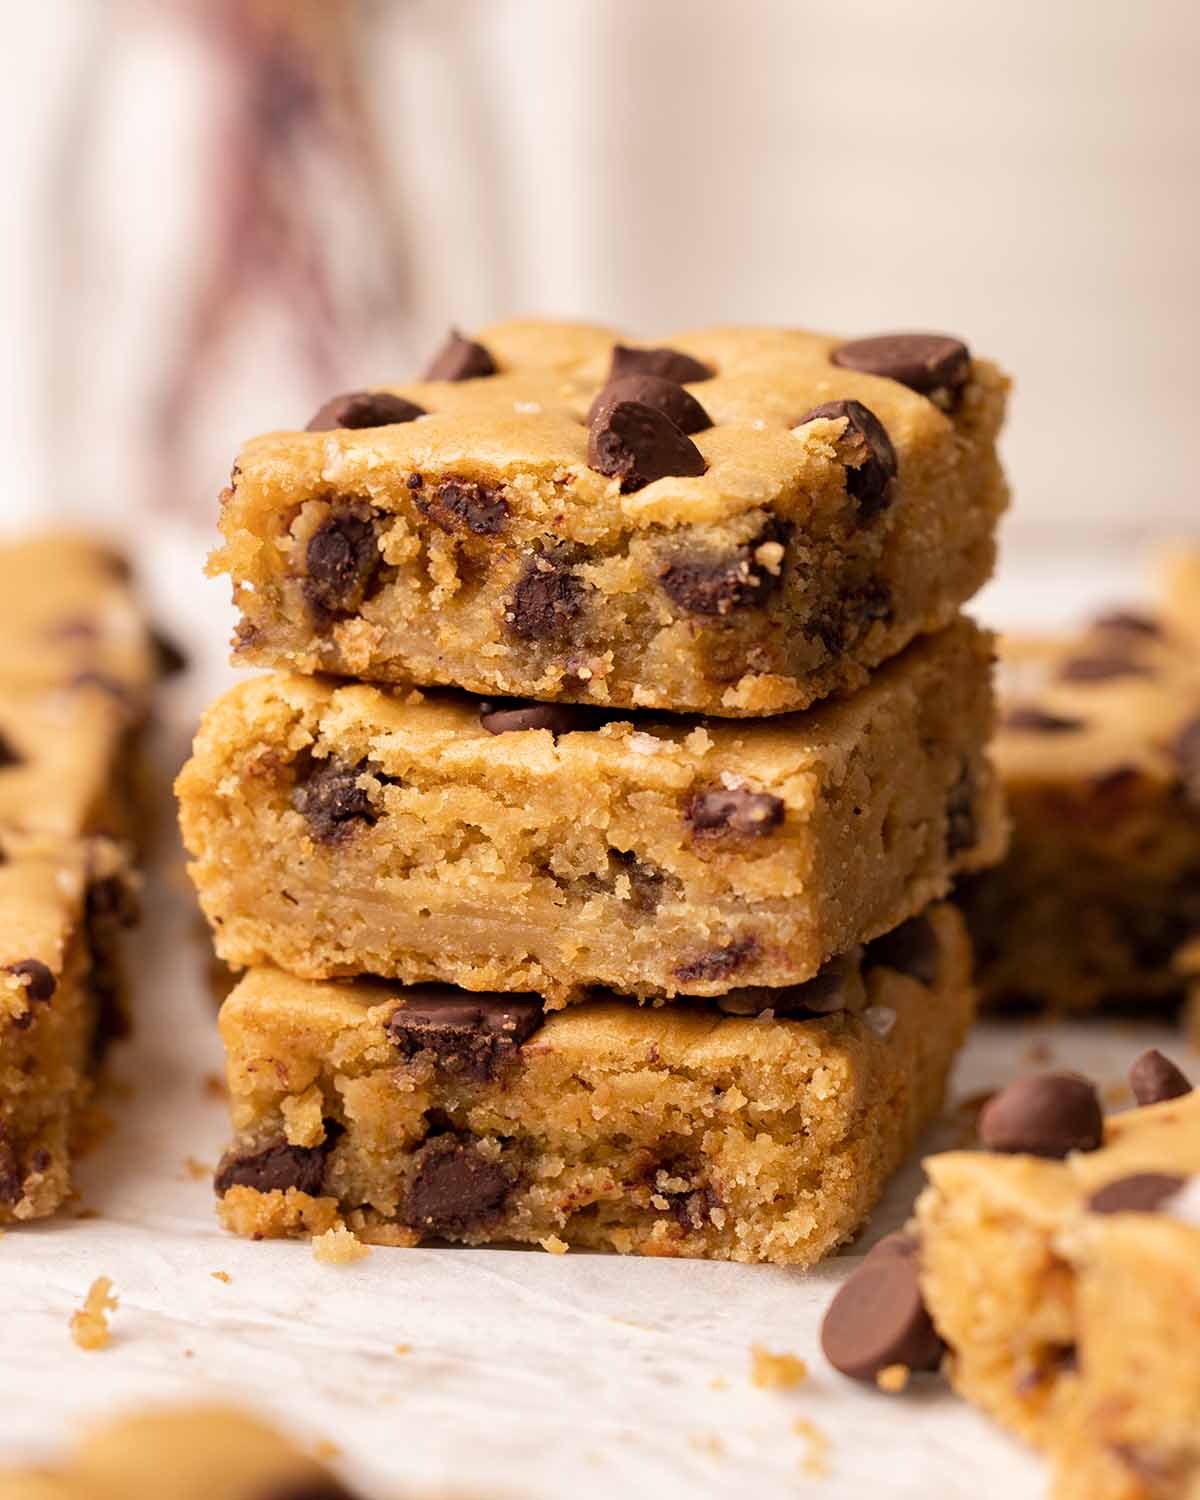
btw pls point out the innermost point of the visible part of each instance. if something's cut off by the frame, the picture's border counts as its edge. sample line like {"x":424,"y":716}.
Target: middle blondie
{"x":342,"y":830}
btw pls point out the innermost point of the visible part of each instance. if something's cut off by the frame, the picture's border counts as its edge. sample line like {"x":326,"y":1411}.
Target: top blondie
{"x":738,"y":522}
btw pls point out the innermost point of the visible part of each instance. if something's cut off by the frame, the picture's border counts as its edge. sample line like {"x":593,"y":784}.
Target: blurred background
{"x":220,"y":211}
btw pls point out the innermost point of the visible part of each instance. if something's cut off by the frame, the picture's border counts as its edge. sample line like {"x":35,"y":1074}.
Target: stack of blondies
{"x":585,"y":848}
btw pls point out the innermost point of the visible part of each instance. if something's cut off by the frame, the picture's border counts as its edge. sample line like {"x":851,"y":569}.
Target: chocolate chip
{"x":1186,"y":750}
{"x":637,"y":444}
{"x":899,"y":1242}
{"x":12,"y":1184}
{"x":454,"y":1188}
{"x":1140,"y":1193}
{"x":357,"y":409}
{"x":910,"y":949}
{"x":1155,"y":1078}
{"x":313,"y":1487}
{"x":1128,"y":622}
{"x":866,"y":450}
{"x":962,"y":830}
{"x":558,"y":718}
{"x":717,"y":584}
{"x":716,"y":963}
{"x":1041,"y":721}
{"x":332,"y":801}
{"x":667,"y":364}
{"x":1100,"y":669}
{"x":849,"y":616}
{"x":279,"y":1167}
{"x":460,"y":359}
{"x":825,"y":994}
{"x":341,"y":559}
{"x":739,"y":810}
{"x":9,"y":756}
{"x":40,"y":982}
{"x":471,"y":1036}
{"x":666,"y":396}
{"x":462,"y":505}
{"x":1050,"y":1115}
{"x":547,"y":597}
{"x":169,"y":657}
{"x":878,"y":1318}
{"x":931,"y":363}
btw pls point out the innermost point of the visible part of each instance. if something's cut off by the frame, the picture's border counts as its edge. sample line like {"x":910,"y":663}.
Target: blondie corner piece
{"x":62,"y":903}
{"x":194,"y":1453}
{"x":344,"y":830}
{"x":1068,"y":1293}
{"x":713,"y":1129}
{"x":1099,"y":752}
{"x":738,"y":524}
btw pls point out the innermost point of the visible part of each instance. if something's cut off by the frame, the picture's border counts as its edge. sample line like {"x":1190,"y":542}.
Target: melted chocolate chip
{"x":332,"y":801}
{"x":279,"y":1167}
{"x":718,"y":584}
{"x":638,"y":444}
{"x":716,"y":963}
{"x":454,"y":1188}
{"x":878,"y":1318}
{"x":1155,"y":1079}
{"x":847,"y":618}
{"x":931,"y":363}
{"x":460,"y":359}
{"x":667,"y":364}
{"x":1050,"y":1115}
{"x":1041,"y":721}
{"x":40,"y":983}
{"x":866,"y":450}
{"x":910,"y":949}
{"x":558,"y":718}
{"x":461,"y":505}
{"x":1186,"y":750}
{"x":719,"y":811}
{"x":1140,"y":1193}
{"x":546,"y":599}
{"x":1101,"y":669}
{"x":470,"y":1035}
{"x":9,"y":755}
{"x":357,"y":409}
{"x":341,"y":560}
{"x":665,"y":396}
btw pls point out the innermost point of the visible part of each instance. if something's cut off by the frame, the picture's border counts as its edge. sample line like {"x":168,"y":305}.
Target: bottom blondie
{"x":61,"y":904}
{"x":759,"y":1126}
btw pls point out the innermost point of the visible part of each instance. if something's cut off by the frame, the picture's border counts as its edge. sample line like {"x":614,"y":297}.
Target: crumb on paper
{"x":892,"y":1378}
{"x":198,"y":1171}
{"x":89,"y":1325}
{"x":221,"y":1276}
{"x":708,"y":1443}
{"x":402,"y":1349}
{"x":324,"y":1449}
{"x":214,"y":1086}
{"x":816,"y":1460}
{"x":189,"y":1354}
{"x":339,"y":1246}
{"x":775,"y":1372}
{"x":718,"y":1383}
{"x":553,"y":1245}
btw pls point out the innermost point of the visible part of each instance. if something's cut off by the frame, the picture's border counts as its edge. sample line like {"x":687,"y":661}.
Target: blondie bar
{"x":737,"y":524}
{"x":717,"y":1128}
{"x":343,"y":830}
{"x":1099,"y":750}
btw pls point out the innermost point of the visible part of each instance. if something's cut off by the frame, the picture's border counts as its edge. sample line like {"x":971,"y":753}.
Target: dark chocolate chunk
{"x":547,"y":597}
{"x":878,"y":1318}
{"x":9,"y":755}
{"x":279,"y":1167}
{"x":470,"y":1035}
{"x":1050,"y":1115}
{"x":454,"y":1188}
{"x":1100,"y":669}
{"x":848,"y":617}
{"x":717,"y":962}
{"x":558,"y":718}
{"x":666,"y":396}
{"x":1186,"y":750}
{"x":719,"y":810}
{"x":824,"y":994}
{"x":461,"y":505}
{"x":1140,"y":1193}
{"x":638,"y":444}
{"x":866,"y":451}
{"x":1155,"y":1078}
{"x":357,"y":409}
{"x":341,"y":559}
{"x":911,"y":949}
{"x":1128,"y":622}
{"x":11,"y":1181}
{"x":931,"y":363}
{"x":40,"y":982}
{"x":962,"y":830}
{"x":718,"y":583}
{"x":460,"y":359}
{"x":169,"y":657}
{"x":667,"y":364}
{"x":1041,"y":721}
{"x":332,"y":801}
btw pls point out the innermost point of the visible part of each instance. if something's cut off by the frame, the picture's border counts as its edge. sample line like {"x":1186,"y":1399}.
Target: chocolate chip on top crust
{"x":878,"y":1318}
{"x":1186,"y":751}
{"x":280,"y":1167}
{"x":558,"y":718}
{"x":719,"y":583}
{"x":719,"y":810}
{"x":666,"y":396}
{"x":866,"y":451}
{"x":332,"y":802}
{"x":547,"y":597}
{"x":454,"y":1188}
{"x":465,"y":506}
{"x":358,"y":409}
{"x":933,"y":364}
{"x":668,"y":364}
{"x":9,"y":755}
{"x":460,"y":358}
{"x":470,"y":1035}
{"x":1041,"y":721}
{"x":637,"y":444}
{"x":1140,"y":1193}
{"x":1050,"y":1115}
{"x":40,"y":983}
{"x":340,"y":561}
{"x":1155,"y":1078}
{"x":911,"y":949}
